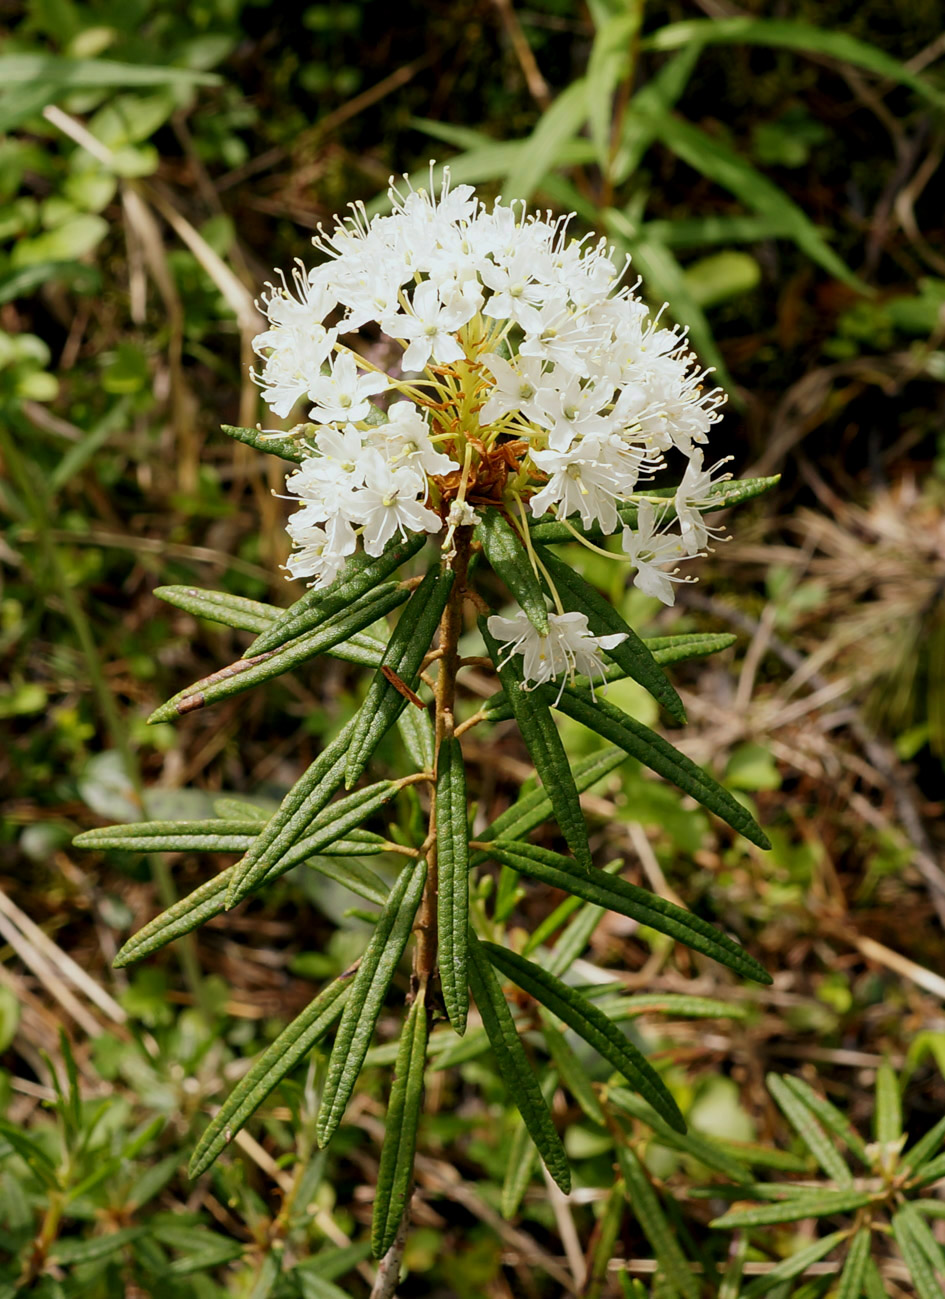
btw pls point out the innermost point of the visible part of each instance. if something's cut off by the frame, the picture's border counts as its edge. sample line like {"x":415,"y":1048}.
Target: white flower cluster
{"x":523,"y":344}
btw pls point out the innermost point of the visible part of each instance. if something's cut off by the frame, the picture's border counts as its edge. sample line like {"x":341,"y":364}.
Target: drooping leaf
{"x":533,"y":715}
{"x":360,"y":575}
{"x":793,"y":1266}
{"x":276,"y":1062}
{"x":452,"y":881}
{"x":659,"y":755}
{"x":219,"y":606}
{"x":370,"y":986}
{"x":510,"y":560}
{"x":512,"y":1062}
{"x":818,"y":1204}
{"x":603,"y":619}
{"x":246,"y":673}
{"x":597,"y":1030}
{"x":628,"y":900}
{"x":648,"y":1212}
{"x":395,"y":1173}
{"x":802,"y":1119}
{"x":399,"y":669}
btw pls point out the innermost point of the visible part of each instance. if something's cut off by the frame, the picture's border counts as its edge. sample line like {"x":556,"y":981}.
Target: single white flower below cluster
{"x":569,"y":647}
{"x":517,"y":341}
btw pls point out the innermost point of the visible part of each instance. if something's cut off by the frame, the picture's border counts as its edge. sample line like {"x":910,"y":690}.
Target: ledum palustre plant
{"x":530,"y":400}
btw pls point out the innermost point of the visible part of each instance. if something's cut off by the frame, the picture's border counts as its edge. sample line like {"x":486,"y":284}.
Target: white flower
{"x":649,"y":550}
{"x":692,"y":496}
{"x":588,"y":479}
{"x":405,"y":439}
{"x":430,"y":327}
{"x":570,"y":412}
{"x":321,"y":553}
{"x":391,"y":501}
{"x":516,"y":388}
{"x":569,"y":646}
{"x":343,"y":393}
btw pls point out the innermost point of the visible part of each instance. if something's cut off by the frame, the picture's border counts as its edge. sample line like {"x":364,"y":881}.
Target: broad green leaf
{"x":648,"y":1212}
{"x":513,"y":1065}
{"x":721,"y":496}
{"x":802,"y":1119}
{"x":395,"y":1174}
{"x":452,"y":856}
{"x":587,"y":1021}
{"x":928,"y":1275}
{"x":360,"y":575}
{"x":785,"y":34}
{"x":829,"y":1115}
{"x":75,"y":1251}
{"x":818,"y":1204}
{"x":532,"y":809}
{"x":660,"y":756}
{"x":793,"y":1266}
{"x":368,"y":991}
{"x":572,"y":1073}
{"x":245,"y":673}
{"x":887,"y":1116}
{"x":854,"y":1267}
{"x":541,"y":151}
{"x":523,"y":1156}
{"x":401,"y":664}
{"x":545,"y":748}
{"x":506,"y":553}
{"x":725,"y":167}
{"x":286,"y":448}
{"x":603,"y":619}
{"x":705,"y":1150}
{"x":628,"y":900}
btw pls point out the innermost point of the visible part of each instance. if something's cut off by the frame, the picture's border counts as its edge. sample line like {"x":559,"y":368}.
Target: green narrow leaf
{"x":819,"y":1204}
{"x":829,"y":1115}
{"x":647,"y":1209}
{"x":416,"y":731}
{"x":172,"y":836}
{"x":395,"y":1174}
{"x":874,"y":1287}
{"x":854,"y":1267}
{"x":533,"y":715}
{"x":793,"y":1266}
{"x":286,"y":448}
{"x":275,"y":1063}
{"x":540,"y":152}
{"x":922,"y":1235}
{"x":628,"y":900}
{"x":657,"y":96}
{"x":452,"y":855}
{"x":809,"y":1130}
{"x":533,"y":809}
{"x":887,"y":1116}
{"x":75,"y":1251}
{"x":513,"y":1065}
{"x":603,"y":619}
{"x":360,"y":575}
{"x":805,"y":38}
{"x":921,"y":1268}
{"x":596,"y":1029}
{"x":608,"y":65}
{"x":721,"y":496}
{"x":402,"y":660}
{"x":605,"y":1246}
{"x":572,"y":1073}
{"x":677,"y":1003}
{"x":370,"y":986}
{"x":925,"y":1147}
{"x":510,"y":560}
{"x":246,"y":673}
{"x":523,"y":1156}
{"x":690,"y":1143}
{"x":576,"y":937}
{"x":32,"y":1154}
{"x":662,"y":757}
{"x":219,"y":606}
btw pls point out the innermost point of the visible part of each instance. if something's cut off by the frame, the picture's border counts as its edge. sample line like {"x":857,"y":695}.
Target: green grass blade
{"x":360,"y":575}
{"x":595,"y":1028}
{"x":368,"y":991}
{"x":513,"y":1065}
{"x":818,"y":1204}
{"x":572,"y":1073}
{"x":219,"y":606}
{"x":452,"y":855}
{"x":608,"y":65}
{"x":809,"y":1130}
{"x":649,"y":1213}
{"x":246,"y":673}
{"x":523,"y":1156}
{"x":887,"y":1116}
{"x":603,"y":619}
{"x":829,"y":1115}
{"x":854,"y":1267}
{"x":628,"y":900}
{"x":690,"y":1143}
{"x":791,"y":1267}
{"x":924,"y":1148}
{"x":403,"y":658}
{"x":509,"y":559}
{"x":541,"y":151}
{"x":276,"y":1062}
{"x":533,"y":715}
{"x":395,"y":1174}
{"x":784,"y":34}
{"x":656,"y":97}
{"x":662,"y":757}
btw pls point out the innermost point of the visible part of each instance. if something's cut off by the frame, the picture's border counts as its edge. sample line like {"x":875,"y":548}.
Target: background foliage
{"x":159,"y":158}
